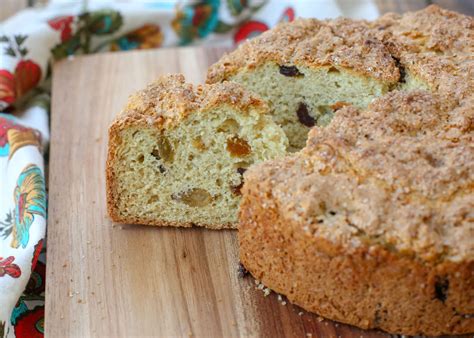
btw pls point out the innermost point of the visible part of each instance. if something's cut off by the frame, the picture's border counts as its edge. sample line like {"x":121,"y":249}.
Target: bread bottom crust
{"x":369,"y":287}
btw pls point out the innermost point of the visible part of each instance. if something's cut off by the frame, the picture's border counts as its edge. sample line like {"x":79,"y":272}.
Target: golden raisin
{"x":238,"y":147}
{"x":338,"y":105}
{"x":229,"y":126}
{"x":163,"y":150}
{"x":199,"y":144}
{"x":195,"y":197}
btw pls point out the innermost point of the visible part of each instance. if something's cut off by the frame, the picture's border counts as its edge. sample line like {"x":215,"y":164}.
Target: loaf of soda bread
{"x":372,"y":222}
{"x":177,"y":153}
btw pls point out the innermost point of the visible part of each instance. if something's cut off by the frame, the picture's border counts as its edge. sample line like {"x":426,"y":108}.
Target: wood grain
{"x":106,"y":279}
{"x":11,"y":7}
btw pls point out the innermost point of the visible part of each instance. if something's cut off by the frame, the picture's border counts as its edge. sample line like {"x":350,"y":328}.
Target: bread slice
{"x":177,"y":153}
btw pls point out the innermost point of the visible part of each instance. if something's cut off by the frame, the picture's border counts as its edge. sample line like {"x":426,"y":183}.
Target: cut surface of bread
{"x":177,"y":154}
{"x":308,"y":69}
{"x":310,"y":98}
{"x":372,"y":222}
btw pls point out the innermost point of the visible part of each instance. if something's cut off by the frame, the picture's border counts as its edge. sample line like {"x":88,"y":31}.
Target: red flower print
{"x":288,"y":15}
{"x":249,"y":30}
{"x":5,"y":125}
{"x":27,"y":75}
{"x":62,"y":24}
{"x":36,"y":254}
{"x":7,"y":86}
{"x":201,"y":15}
{"x":31,"y":324}
{"x":37,"y":280}
{"x":8,"y":268}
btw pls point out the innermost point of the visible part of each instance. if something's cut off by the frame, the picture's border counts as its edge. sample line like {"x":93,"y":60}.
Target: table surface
{"x":125,"y":280}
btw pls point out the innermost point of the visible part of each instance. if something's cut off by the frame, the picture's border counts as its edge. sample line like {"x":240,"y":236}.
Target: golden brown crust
{"x":435,"y":45}
{"x":341,"y":43}
{"x":169,"y":99}
{"x":369,"y":286}
{"x":391,"y":174}
{"x":163,"y":104}
{"x":372,"y":222}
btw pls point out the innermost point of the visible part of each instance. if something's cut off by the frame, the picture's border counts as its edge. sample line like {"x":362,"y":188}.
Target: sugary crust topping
{"x":434,"y":44}
{"x":169,"y":99}
{"x":430,"y":30}
{"x":401,"y":173}
{"x":309,"y":42}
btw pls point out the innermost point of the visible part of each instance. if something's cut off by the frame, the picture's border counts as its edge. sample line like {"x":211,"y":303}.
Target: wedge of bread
{"x":177,"y":153}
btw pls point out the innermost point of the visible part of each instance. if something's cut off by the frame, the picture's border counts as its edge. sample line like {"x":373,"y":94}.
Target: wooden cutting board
{"x":124,"y":280}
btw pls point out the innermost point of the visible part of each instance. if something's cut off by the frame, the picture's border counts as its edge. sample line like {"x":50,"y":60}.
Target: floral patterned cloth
{"x":29,"y":43}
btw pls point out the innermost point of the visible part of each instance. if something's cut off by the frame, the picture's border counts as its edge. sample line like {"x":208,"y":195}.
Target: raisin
{"x":156,"y":154}
{"x":290,"y":71}
{"x":441,"y":288}
{"x":304,"y":117}
{"x":241,"y":171}
{"x":194,"y":198}
{"x":199,"y":144}
{"x":163,"y":150}
{"x":338,"y":105}
{"x":229,"y":126}
{"x":238,"y":147}
{"x":401,"y":69}
{"x":242,"y":271}
{"x":236,"y":189}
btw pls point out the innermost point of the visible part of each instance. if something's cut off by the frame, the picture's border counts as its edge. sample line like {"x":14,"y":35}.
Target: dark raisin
{"x":377,"y":317}
{"x":332,"y":213}
{"x":380,"y":314}
{"x":304,"y":117}
{"x":236,"y":188}
{"x":156,"y":154}
{"x":242,"y":271}
{"x":441,"y":288}
{"x":401,"y":69}
{"x":290,"y":71}
{"x":241,"y":171}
